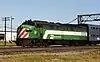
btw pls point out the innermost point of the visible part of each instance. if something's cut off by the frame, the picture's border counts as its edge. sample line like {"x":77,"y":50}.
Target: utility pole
{"x":5,"y":19}
{"x":11,"y":27}
{"x":5,"y":31}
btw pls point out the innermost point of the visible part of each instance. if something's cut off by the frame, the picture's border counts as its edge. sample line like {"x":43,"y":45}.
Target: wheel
{"x":19,"y":43}
{"x":64,"y":45}
{"x":38,"y":44}
{"x":46,"y":45}
{"x":23,"y":45}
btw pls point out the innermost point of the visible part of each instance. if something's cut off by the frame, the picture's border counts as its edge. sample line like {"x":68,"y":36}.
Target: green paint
{"x":42,"y":33}
{"x":35,"y":32}
{"x":66,"y":37}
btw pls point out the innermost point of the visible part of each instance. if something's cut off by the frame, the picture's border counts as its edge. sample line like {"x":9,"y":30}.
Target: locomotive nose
{"x":23,"y":33}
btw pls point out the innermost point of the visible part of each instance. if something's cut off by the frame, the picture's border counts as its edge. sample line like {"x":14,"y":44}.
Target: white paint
{"x":21,"y":31}
{"x":55,"y":32}
{"x":51,"y":36}
{"x":22,"y":36}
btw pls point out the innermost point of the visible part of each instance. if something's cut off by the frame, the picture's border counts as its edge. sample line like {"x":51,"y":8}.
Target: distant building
{"x":2,"y":36}
{"x":8,"y":34}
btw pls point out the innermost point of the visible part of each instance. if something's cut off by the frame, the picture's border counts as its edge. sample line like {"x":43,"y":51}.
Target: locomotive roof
{"x":30,"y":22}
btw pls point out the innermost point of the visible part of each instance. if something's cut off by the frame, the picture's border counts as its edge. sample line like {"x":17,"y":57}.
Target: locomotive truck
{"x":43,"y":33}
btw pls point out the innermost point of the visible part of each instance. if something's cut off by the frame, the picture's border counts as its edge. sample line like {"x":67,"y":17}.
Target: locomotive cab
{"x":29,"y":32}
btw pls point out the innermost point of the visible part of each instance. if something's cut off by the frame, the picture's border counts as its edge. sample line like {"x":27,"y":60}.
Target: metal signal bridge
{"x":88,"y":18}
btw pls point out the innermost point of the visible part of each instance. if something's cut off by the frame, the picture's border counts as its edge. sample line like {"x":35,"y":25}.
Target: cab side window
{"x":28,"y":30}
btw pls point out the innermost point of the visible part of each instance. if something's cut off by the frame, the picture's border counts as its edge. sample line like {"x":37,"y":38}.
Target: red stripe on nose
{"x":22,"y":33}
{"x":25,"y":35}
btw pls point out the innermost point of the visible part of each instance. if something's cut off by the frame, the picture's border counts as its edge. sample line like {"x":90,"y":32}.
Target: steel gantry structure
{"x":88,"y":18}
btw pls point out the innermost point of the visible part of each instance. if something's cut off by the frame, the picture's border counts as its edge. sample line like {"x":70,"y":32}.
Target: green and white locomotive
{"x":43,"y":33}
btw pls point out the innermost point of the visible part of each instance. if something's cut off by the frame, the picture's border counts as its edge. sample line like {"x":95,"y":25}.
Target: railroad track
{"x":48,"y":49}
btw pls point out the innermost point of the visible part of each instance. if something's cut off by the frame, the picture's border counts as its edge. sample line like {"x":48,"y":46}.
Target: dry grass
{"x":2,"y":43}
{"x":83,"y":57}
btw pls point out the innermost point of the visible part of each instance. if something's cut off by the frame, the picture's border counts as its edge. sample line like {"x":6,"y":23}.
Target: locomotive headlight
{"x":98,"y":38}
{"x":35,"y":32}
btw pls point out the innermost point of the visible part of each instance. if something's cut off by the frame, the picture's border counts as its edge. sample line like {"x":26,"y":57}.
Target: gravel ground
{"x":45,"y":53}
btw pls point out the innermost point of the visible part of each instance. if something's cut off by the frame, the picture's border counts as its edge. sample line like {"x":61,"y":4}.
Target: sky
{"x":61,"y":11}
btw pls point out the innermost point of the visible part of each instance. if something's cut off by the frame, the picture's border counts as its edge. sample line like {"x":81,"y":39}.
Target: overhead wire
{"x":72,"y":21}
